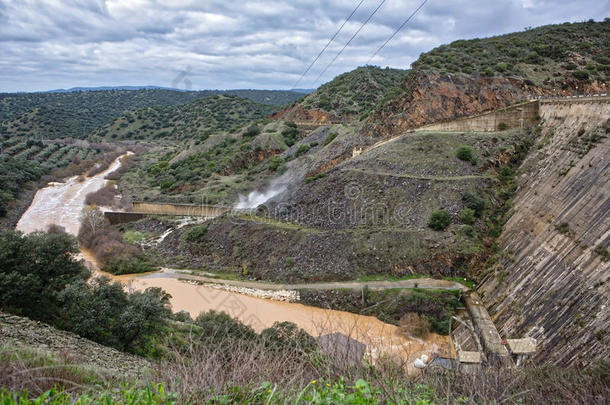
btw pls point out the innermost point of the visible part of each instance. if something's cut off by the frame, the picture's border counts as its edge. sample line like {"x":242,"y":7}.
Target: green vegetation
{"x":196,"y":234}
{"x":355,"y":94}
{"x":290,"y":133}
{"x":116,"y":255}
{"x":314,"y":177}
{"x":196,"y":120}
{"x":439,"y":220}
{"x":41,"y":279}
{"x":464,"y":153}
{"x":467,"y":216}
{"x":390,"y":305}
{"x":541,"y":55}
{"x":77,"y":114}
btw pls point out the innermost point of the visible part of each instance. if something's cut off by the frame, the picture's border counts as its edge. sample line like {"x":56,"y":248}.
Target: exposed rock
{"x":18,"y":332}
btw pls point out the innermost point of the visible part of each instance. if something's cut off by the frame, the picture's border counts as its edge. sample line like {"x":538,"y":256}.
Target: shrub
{"x":252,"y":131}
{"x":467,"y":216}
{"x":314,"y":178}
{"x":581,"y":74}
{"x":474,"y":203}
{"x":464,"y":153}
{"x":221,"y":328}
{"x":330,"y":138}
{"x":439,"y":220}
{"x":275,"y":163}
{"x":303,"y":149}
{"x":505,"y":174}
{"x":412,"y":324}
{"x":290,"y":135}
{"x":288,"y":336}
{"x":196,"y":234}
{"x":502,"y":126}
{"x":469,"y":231}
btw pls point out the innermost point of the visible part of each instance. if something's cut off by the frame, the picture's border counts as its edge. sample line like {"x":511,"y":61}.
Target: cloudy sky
{"x":265,"y":44}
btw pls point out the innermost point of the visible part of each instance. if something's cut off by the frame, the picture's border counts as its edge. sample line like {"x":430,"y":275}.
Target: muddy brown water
{"x":62,"y":203}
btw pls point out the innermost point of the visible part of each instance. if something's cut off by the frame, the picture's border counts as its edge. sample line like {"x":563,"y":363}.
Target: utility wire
{"x":327,"y":44}
{"x":350,"y":40}
{"x":397,"y":30}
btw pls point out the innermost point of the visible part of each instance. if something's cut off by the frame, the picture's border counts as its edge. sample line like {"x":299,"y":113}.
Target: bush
{"x":276,"y":163}
{"x":469,"y":231}
{"x":412,"y":324}
{"x":290,"y":135}
{"x":581,"y":74}
{"x":330,"y":138}
{"x":464,"y":153}
{"x":314,"y":178}
{"x":467,"y":216}
{"x":252,"y":131}
{"x":502,"y":126}
{"x":287,"y":335}
{"x":303,"y":149}
{"x":439,"y":220}
{"x":221,"y":328}
{"x":196,"y":234}
{"x":474,"y":203}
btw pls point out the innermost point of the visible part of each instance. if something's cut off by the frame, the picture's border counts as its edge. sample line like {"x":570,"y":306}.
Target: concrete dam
{"x":141,"y":209}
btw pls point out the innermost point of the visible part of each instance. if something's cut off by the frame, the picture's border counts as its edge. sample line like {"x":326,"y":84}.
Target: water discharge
{"x":62,"y":203}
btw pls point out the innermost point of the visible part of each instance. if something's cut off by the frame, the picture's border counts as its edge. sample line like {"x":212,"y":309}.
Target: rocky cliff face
{"x":430,"y":97}
{"x":553,"y":284}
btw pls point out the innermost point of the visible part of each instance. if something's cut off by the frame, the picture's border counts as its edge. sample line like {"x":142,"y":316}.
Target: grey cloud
{"x":253,"y":43}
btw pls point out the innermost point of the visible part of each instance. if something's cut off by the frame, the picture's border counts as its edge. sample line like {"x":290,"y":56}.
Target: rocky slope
{"x":553,"y":281}
{"x":22,"y":333}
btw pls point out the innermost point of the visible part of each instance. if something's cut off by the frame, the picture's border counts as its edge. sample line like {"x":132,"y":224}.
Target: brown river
{"x":62,"y":203}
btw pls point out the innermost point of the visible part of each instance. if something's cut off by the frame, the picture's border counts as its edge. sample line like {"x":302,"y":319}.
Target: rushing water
{"x":62,"y":203}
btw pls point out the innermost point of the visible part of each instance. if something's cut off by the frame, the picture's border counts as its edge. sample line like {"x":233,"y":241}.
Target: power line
{"x":350,"y":40}
{"x":327,"y":44}
{"x":397,"y":30}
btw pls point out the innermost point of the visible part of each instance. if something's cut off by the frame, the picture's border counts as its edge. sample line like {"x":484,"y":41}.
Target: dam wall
{"x":179,"y":209}
{"x":552,"y":282}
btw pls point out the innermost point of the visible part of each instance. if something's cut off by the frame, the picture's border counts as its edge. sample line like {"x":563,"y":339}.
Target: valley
{"x":451,"y":219}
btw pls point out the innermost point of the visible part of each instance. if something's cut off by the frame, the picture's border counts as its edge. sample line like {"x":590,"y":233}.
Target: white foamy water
{"x":62,"y":203}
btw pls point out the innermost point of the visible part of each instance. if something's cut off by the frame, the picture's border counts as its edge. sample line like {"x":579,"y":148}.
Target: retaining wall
{"x":516,"y":116}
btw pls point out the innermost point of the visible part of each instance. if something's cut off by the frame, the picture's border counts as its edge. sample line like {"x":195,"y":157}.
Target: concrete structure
{"x":522,"y":349}
{"x":179,"y":209}
{"x":141,"y":209}
{"x":515,"y":116}
{"x":488,"y":334}
{"x":122,"y":217}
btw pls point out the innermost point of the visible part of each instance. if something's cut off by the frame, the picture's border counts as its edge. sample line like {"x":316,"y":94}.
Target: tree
{"x":34,"y":269}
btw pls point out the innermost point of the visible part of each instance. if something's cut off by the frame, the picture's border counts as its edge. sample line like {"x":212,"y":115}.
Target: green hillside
{"x":541,"y":55}
{"x":357,"y":92}
{"x":76,"y":114}
{"x":197,"y":119}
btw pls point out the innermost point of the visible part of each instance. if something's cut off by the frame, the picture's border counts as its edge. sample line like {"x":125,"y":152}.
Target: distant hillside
{"x":76,"y":114}
{"x":350,"y":96}
{"x":197,"y":119}
{"x":546,"y":55}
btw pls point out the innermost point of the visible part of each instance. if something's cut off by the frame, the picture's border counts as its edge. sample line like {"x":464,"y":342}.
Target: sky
{"x":226,"y":44}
